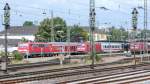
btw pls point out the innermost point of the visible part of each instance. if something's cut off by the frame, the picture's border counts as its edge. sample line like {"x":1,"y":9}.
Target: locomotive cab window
{"x":34,"y":45}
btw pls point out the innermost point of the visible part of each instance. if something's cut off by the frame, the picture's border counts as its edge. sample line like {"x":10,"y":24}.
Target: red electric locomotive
{"x":139,"y":46}
{"x":46,"y":48}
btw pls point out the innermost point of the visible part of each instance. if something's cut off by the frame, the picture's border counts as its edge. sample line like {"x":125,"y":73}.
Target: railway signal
{"x":7,"y":24}
{"x":134,"y":19}
{"x":134,"y":25}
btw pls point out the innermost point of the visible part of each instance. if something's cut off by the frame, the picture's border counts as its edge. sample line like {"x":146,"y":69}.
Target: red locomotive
{"x":46,"y":48}
{"x":139,"y":46}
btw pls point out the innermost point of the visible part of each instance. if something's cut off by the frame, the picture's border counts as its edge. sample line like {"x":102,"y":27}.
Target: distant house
{"x":19,"y":32}
{"x":15,"y":34}
{"x":100,"y":37}
{"x":99,"y":34}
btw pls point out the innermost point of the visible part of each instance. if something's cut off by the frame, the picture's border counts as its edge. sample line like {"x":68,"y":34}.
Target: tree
{"x":59,"y":26}
{"x":117,"y":34}
{"x":78,"y":34}
{"x":24,"y":40}
{"x":28,"y":23}
{"x":144,"y":33}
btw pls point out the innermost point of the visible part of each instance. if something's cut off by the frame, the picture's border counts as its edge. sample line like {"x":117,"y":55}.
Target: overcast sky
{"x":119,"y":13}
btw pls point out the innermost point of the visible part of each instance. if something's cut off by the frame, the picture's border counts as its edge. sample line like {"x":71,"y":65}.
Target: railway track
{"x":31,"y":65}
{"x":120,"y":78}
{"x":62,"y":74}
{"x":59,"y":70}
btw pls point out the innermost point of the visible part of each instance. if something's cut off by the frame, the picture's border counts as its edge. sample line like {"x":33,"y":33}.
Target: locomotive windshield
{"x":23,"y":45}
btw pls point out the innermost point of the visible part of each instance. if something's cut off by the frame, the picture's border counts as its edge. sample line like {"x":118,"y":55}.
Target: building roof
{"x":21,"y":30}
{"x":11,"y":42}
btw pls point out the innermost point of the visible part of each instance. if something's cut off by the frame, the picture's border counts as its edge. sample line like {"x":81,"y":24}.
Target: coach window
{"x":117,"y":46}
{"x":107,"y":46}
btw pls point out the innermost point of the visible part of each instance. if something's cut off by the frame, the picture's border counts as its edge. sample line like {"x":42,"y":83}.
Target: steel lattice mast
{"x":92,"y":28}
{"x":52,"y":27}
{"x":145,"y":25}
{"x":7,"y":25}
{"x":134,"y":25}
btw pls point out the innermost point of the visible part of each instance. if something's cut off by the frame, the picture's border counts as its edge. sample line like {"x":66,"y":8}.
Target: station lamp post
{"x":6,"y":24}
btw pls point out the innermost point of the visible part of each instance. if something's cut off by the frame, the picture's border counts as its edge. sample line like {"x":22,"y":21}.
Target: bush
{"x":97,"y":58}
{"x":17,"y":55}
{"x":2,"y":53}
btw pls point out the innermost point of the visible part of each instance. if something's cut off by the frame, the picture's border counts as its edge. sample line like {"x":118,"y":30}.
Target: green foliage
{"x":117,"y":34}
{"x":97,"y":58}
{"x":17,"y":55}
{"x":24,"y":40}
{"x":44,"y":31}
{"x":78,"y":34}
{"x":2,"y":53}
{"x":28,"y":23}
{"x":143,"y":33}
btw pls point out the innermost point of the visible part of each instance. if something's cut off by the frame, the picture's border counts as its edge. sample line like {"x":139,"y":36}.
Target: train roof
{"x":113,"y":41}
{"x":53,"y":43}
